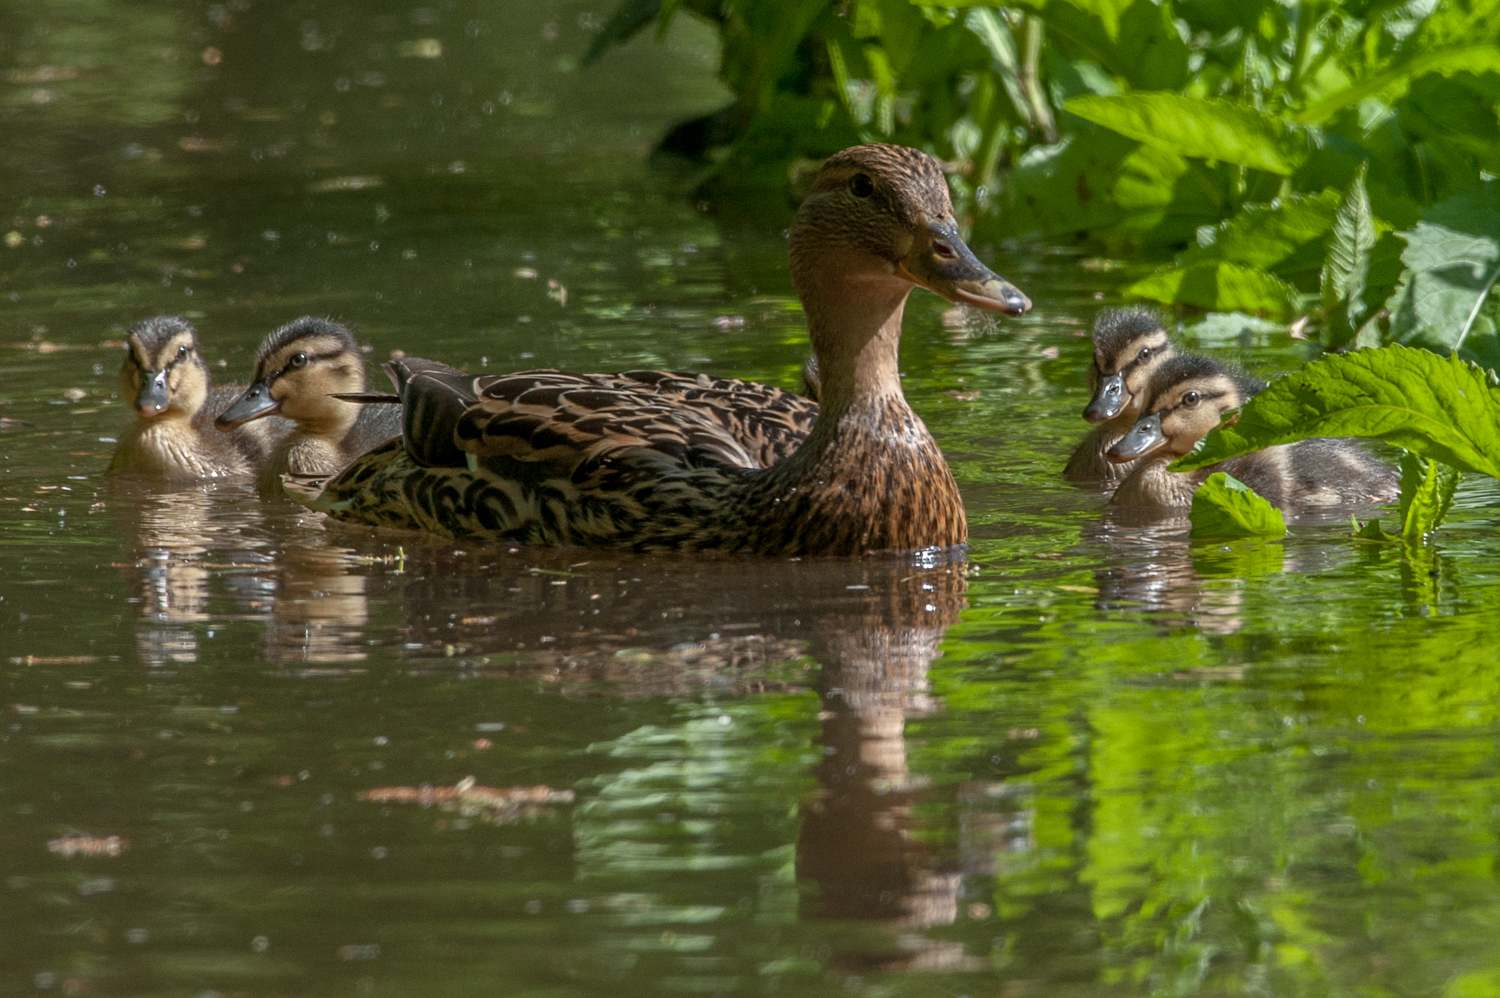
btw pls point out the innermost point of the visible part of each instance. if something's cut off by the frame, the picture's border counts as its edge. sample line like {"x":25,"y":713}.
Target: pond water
{"x":248,"y":752}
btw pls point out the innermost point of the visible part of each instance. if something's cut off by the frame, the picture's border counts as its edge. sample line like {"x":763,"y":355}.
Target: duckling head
{"x":1129,"y":345}
{"x":163,"y":372}
{"x":879,"y":221}
{"x":1190,"y":395}
{"x":298,"y":369}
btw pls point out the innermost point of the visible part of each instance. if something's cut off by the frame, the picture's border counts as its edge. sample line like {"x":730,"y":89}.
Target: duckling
{"x":299,"y":370}
{"x":647,"y":460}
{"x":1189,"y":397}
{"x":174,"y":401}
{"x":1129,"y":344}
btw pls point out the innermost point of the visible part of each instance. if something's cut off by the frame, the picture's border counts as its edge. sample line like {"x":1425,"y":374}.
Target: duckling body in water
{"x":1129,"y":344}
{"x":299,"y":368}
{"x":649,"y":460}
{"x":1189,"y":397}
{"x":170,"y":387}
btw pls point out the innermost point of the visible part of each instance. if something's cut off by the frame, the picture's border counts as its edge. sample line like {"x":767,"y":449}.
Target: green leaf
{"x":1391,"y":83}
{"x":1269,"y":235}
{"x":1369,"y":530}
{"x":1224,"y":506}
{"x":1437,"y":407}
{"x":1203,"y":127}
{"x":1453,"y":261}
{"x":1427,"y":489}
{"x":1219,"y":286}
{"x":629,"y":18}
{"x":1347,"y":268}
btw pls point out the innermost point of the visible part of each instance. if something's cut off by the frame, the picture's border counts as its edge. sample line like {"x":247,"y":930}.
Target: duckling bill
{"x":300,"y":370}
{"x":650,"y":460}
{"x":1129,"y":345}
{"x":1190,"y":396}
{"x":172,"y":393}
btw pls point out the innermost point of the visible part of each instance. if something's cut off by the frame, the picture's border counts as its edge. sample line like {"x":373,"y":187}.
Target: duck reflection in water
{"x":204,"y":559}
{"x":861,"y":634}
{"x":180,"y":540}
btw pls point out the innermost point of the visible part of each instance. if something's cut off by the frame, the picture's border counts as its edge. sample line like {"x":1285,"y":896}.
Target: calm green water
{"x":1093,"y":760}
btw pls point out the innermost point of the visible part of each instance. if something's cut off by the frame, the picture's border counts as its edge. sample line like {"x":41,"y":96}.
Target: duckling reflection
{"x":319,"y":609}
{"x":179,"y":539}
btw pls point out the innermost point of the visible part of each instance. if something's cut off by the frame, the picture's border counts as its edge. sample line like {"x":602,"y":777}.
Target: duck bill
{"x":1144,"y":438}
{"x":154,"y":396}
{"x":942,"y":263}
{"x":255,"y":402}
{"x":1108,"y":400}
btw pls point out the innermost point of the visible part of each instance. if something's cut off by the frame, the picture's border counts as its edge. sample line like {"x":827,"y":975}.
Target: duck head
{"x":1190,"y":395}
{"x":1129,"y":345}
{"x":298,"y":370}
{"x":164,"y":374}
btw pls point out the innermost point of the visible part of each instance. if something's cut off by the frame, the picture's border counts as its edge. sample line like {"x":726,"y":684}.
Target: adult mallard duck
{"x":172,"y":392}
{"x":1189,"y":397}
{"x":300,"y":370}
{"x":657,"y":461}
{"x":1129,"y":344}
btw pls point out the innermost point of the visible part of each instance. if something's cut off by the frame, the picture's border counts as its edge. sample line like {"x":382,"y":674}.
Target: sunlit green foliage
{"x":1287,"y":154}
{"x":1225,"y":507}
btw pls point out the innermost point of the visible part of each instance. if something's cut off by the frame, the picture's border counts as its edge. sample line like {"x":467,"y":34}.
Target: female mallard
{"x":299,"y":370}
{"x":175,"y":401}
{"x":656,"y":461}
{"x":1129,"y":344}
{"x":1189,"y":397}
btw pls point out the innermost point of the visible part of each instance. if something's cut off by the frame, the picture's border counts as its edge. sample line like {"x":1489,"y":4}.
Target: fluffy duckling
{"x":299,"y":368}
{"x":1189,"y":397}
{"x":172,"y":392}
{"x":1129,"y":344}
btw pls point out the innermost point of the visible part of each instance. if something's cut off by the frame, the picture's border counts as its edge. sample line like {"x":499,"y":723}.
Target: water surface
{"x":247,"y":752}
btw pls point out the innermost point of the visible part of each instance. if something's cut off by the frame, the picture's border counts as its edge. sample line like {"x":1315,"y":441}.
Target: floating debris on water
{"x":88,"y":846}
{"x":499,"y":805}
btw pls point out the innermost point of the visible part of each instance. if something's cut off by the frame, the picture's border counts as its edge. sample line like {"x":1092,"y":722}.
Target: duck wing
{"x":564,"y":420}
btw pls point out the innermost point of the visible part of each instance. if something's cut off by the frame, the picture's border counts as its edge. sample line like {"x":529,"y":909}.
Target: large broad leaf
{"x":1225,"y":507}
{"x":1275,"y":236}
{"x":1453,"y":261}
{"x":1220,"y":286}
{"x":1201,"y":127}
{"x":1437,"y":407}
{"x":1391,"y":83}
{"x":1427,"y":489}
{"x":1347,"y":268}
{"x":628,"y":18}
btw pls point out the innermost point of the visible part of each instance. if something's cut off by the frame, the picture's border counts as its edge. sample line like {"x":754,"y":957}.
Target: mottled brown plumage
{"x":656,"y":461}
{"x":1189,"y":397}
{"x":1129,"y":344}
{"x":300,"y":370}
{"x":171,"y":390}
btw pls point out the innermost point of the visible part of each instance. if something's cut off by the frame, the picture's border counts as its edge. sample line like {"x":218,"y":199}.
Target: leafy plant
{"x":1438,"y":408}
{"x":1427,"y":489}
{"x":1292,"y":156}
{"x":1225,"y":507}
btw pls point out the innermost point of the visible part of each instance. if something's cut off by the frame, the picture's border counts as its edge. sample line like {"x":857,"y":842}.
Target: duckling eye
{"x":862,"y":185}
{"x":298,"y":360}
{"x":182,"y":352}
{"x":1144,"y":355}
{"x":1190,"y":399}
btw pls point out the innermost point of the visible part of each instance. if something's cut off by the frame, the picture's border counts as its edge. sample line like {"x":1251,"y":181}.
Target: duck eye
{"x":862,"y":185}
{"x":182,"y":352}
{"x":1144,"y":355}
{"x":1190,"y":399}
{"x":298,"y":360}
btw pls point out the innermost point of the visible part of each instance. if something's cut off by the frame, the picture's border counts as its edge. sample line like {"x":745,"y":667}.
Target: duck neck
{"x":856,"y":333}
